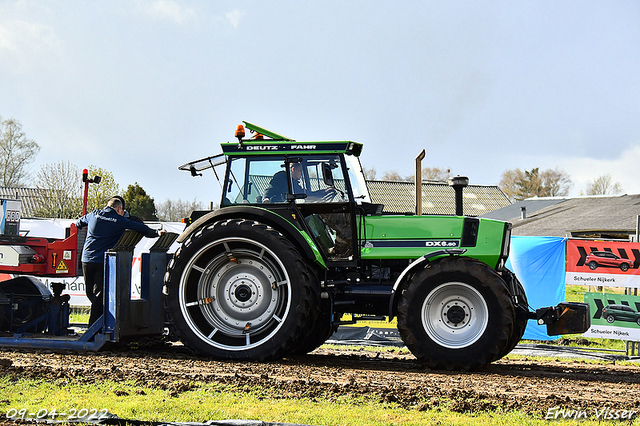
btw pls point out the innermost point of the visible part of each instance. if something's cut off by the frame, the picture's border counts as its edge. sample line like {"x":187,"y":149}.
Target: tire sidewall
{"x":521,"y":310}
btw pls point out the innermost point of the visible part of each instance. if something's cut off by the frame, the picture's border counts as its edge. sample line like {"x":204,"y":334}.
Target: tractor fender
{"x":414,"y":266}
{"x":258,"y":214}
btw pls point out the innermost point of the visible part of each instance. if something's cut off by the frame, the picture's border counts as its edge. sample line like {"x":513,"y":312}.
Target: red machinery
{"x":24,"y":299}
{"x":40,"y":256}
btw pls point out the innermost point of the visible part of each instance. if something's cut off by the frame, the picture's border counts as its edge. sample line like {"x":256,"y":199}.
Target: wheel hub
{"x":243,"y":293}
{"x":455,"y":315}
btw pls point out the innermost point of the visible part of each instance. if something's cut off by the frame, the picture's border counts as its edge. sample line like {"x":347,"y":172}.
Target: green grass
{"x":202,"y":402}
{"x":381,"y":349}
{"x":577,"y":341}
{"x":79,"y":315}
{"x":575,"y":293}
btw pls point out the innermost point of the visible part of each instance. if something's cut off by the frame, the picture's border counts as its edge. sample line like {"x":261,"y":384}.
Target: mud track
{"x":531,"y":386}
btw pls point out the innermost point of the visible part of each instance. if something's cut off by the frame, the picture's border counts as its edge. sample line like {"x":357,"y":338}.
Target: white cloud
{"x":623,"y":169}
{"x":167,"y":9}
{"x":22,"y":41}
{"x":7,"y":38}
{"x":234,"y":17}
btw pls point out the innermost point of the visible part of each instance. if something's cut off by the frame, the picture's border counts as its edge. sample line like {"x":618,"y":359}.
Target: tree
{"x":530,"y":185}
{"x":428,"y":174}
{"x":139,"y":204}
{"x":602,"y":186}
{"x":432,"y":174}
{"x":518,"y":184}
{"x":100,"y":193}
{"x":173,"y":211}
{"x":61,"y":187}
{"x":508,"y":182}
{"x":556,"y":182}
{"x":436,"y":173}
{"x":369,"y":172}
{"x":16,"y":153}
{"x":393,"y":176}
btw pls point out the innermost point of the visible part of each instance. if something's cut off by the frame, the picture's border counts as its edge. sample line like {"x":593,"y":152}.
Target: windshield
{"x":272,"y":179}
{"x":356,"y":177}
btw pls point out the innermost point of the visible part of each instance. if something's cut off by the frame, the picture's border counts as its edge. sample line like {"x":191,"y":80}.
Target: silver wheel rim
{"x":454,"y":315}
{"x":235,"y":294}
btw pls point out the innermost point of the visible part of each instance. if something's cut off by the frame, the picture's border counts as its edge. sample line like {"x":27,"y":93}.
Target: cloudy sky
{"x":140,"y":87}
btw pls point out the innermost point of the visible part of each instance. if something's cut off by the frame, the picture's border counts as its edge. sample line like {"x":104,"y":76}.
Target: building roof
{"x":30,"y":198}
{"x":437,"y":198}
{"x":531,"y":205}
{"x":588,"y":217}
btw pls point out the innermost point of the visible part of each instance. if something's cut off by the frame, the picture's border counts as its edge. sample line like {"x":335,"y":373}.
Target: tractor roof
{"x":278,"y":145}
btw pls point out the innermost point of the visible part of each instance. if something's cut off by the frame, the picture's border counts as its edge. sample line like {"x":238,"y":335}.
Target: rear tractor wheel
{"x":239,"y":289}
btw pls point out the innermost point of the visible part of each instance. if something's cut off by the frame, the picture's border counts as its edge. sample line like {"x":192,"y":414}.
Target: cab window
{"x":322,"y":180}
{"x":311,"y":179}
{"x":249,"y":178}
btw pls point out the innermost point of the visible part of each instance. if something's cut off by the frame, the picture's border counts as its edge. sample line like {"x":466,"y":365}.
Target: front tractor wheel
{"x":456,"y":314}
{"x":238,"y":289}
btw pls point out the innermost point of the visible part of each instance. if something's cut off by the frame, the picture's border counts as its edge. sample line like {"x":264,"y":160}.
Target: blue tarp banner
{"x":539,"y":264}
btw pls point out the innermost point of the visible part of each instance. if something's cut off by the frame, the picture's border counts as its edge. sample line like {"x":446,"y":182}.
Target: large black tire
{"x":30,"y":299}
{"x":239,"y":289}
{"x":456,"y":314}
{"x":521,"y":306}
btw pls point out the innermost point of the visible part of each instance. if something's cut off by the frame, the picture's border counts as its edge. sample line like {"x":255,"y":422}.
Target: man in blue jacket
{"x":105,"y":227}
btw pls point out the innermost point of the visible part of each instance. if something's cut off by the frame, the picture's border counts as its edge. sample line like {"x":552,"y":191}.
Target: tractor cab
{"x":321,"y":182}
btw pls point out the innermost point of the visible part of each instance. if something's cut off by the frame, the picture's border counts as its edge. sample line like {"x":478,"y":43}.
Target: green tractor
{"x":297,"y":243}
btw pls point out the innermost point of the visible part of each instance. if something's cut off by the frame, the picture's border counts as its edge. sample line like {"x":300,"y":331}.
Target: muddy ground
{"x":528,"y":385}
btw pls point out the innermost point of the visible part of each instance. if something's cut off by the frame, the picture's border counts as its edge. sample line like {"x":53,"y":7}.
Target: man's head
{"x":117,"y":203}
{"x":296,"y":170}
{"x":121,"y":200}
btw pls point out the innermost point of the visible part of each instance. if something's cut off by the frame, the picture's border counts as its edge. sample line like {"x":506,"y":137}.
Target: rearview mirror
{"x":327,"y":175}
